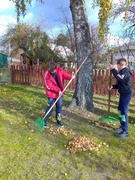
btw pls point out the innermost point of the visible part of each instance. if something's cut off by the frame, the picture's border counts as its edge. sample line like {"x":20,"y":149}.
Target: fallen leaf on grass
{"x":60,"y":131}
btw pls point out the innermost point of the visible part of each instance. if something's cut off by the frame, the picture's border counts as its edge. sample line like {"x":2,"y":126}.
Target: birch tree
{"x":26,"y":37}
{"x":83,"y":94}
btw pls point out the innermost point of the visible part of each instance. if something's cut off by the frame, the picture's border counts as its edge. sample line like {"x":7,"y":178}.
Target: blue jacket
{"x":124,"y":81}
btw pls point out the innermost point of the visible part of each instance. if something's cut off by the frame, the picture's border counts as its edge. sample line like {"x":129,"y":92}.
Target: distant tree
{"x":128,"y":19}
{"x":106,"y":12}
{"x":66,"y":37}
{"x":61,"y":40}
{"x":98,"y":49}
{"x":30,"y":39}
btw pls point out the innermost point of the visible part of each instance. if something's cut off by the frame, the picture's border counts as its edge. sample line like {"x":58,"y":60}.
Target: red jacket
{"x":51,"y":87}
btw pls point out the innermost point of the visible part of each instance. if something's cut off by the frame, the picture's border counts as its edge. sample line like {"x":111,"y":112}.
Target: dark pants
{"x":58,"y":108}
{"x":123,"y":107}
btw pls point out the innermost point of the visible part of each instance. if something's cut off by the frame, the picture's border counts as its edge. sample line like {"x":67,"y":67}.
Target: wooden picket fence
{"x":34,"y":76}
{"x":27,"y":75}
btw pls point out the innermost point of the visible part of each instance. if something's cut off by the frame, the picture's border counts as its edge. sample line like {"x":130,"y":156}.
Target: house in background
{"x":14,"y":59}
{"x":67,"y":56}
{"x":127,"y":51}
{"x":40,"y":56}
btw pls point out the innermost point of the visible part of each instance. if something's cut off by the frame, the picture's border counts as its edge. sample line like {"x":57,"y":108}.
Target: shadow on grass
{"x":113,"y":98}
{"x":97,"y":111}
{"x":106,"y":104}
{"x":102,"y":112}
{"x":83,"y":125}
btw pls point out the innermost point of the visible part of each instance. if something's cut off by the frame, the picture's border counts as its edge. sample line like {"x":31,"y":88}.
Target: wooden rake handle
{"x":65,"y":88}
{"x":110,"y":82}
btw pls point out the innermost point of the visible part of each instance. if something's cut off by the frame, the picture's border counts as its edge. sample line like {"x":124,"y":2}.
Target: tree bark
{"x":83,"y":94}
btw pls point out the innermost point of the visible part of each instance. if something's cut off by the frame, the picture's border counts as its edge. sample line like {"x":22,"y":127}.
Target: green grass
{"x":28,"y":154}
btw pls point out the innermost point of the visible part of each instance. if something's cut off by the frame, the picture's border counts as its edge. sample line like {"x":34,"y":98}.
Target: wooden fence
{"x":34,"y":76}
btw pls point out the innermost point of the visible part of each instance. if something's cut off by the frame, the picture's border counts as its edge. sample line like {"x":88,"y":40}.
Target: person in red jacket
{"x":53,"y":83}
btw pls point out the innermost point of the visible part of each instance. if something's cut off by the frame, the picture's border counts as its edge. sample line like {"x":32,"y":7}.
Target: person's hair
{"x":51,"y":65}
{"x":122,"y":62}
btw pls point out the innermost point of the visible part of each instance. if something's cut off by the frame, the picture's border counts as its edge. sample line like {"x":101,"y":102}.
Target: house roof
{"x":62,"y":51}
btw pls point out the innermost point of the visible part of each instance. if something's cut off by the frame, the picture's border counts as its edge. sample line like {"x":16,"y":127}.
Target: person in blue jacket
{"x":124,"y":86}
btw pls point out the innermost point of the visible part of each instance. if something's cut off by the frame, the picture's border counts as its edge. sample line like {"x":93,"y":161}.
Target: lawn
{"x":28,"y":154}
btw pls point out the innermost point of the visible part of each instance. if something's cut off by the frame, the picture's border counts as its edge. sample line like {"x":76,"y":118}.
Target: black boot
{"x":122,"y":135}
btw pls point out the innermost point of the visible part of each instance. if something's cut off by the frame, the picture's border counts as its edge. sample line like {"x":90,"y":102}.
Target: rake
{"x":39,"y":123}
{"x":109,"y":118}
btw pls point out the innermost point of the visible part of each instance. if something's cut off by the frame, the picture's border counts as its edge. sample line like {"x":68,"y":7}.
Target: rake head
{"x":109,"y":119}
{"x":39,"y":124}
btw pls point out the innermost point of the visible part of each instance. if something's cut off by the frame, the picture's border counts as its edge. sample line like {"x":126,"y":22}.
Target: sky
{"x":48,"y":13}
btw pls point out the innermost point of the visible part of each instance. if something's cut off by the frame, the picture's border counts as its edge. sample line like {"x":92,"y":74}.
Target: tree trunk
{"x":83,"y":94}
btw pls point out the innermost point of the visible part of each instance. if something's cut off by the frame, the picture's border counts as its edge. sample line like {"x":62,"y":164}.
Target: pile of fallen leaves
{"x":79,"y":144}
{"x":60,"y":131}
